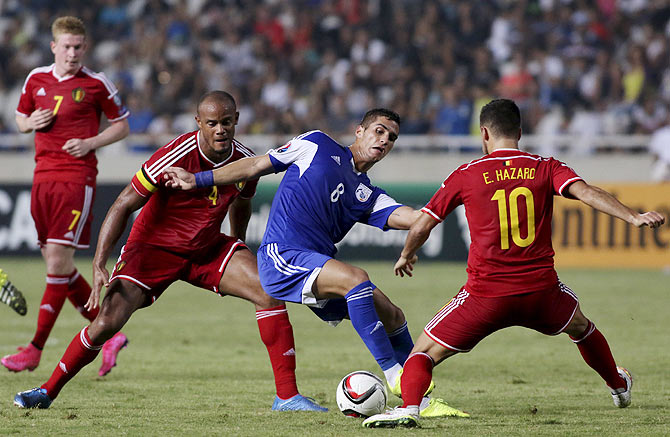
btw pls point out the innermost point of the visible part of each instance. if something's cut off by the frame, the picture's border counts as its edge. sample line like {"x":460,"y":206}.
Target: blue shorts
{"x":288,"y":274}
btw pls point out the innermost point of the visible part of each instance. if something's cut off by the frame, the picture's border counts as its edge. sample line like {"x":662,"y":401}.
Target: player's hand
{"x":77,"y":147}
{"x":178,"y":178}
{"x":405,"y":266}
{"x":40,"y":118}
{"x":100,"y":279}
{"x":651,"y":219}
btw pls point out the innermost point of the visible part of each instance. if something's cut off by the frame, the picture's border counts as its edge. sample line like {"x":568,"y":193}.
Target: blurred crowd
{"x":584,"y":67}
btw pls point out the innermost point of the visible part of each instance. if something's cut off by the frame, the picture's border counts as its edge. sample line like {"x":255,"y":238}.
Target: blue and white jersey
{"x":321,"y":196}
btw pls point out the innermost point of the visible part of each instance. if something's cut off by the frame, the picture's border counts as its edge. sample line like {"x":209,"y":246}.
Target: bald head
{"x":219,"y":98}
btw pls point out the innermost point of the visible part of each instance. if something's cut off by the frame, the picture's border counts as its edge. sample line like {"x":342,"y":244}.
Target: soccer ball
{"x":361,"y":394}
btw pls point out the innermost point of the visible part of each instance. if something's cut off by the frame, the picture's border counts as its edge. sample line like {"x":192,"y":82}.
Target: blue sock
{"x":402,"y":343}
{"x":366,"y":322}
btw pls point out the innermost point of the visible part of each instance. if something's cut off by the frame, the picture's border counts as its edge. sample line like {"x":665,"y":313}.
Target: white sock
{"x":391,"y":374}
{"x":424,"y":403}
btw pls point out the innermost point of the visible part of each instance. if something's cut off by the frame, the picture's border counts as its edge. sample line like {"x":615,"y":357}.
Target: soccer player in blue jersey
{"x":324,"y":192}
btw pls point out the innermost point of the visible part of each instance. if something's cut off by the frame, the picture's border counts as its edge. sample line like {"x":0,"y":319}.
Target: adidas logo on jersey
{"x":41,"y":92}
{"x":47,"y":307}
{"x":289,"y":353}
{"x":336,"y":159}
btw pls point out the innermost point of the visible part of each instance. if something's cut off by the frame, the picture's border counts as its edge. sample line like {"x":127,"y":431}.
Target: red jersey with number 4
{"x":508,"y":199}
{"x":77,"y":102}
{"x":184,"y":222}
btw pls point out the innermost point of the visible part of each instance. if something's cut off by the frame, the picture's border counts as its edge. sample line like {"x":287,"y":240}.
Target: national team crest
{"x":240,"y":185}
{"x":363,"y":193}
{"x":78,"y":94}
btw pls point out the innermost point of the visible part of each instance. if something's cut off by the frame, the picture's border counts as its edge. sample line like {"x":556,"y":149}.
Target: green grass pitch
{"x":196,"y":366}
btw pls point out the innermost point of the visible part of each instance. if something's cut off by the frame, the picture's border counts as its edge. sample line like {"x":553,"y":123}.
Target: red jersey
{"x":77,"y":102}
{"x":508,"y":199}
{"x":185,"y":222}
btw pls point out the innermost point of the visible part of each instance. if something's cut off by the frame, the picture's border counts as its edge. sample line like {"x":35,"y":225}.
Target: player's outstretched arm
{"x":112,"y":227}
{"x":418,"y":234}
{"x":239,"y":171}
{"x":403,"y":217}
{"x":603,"y":201}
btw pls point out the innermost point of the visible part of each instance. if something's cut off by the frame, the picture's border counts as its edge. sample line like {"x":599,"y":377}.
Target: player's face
{"x":68,"y":50}
{"x":217,"y":122}
{"x":377,"y":140}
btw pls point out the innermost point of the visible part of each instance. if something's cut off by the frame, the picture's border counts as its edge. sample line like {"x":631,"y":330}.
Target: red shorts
{"x":62,"y":213}
{"x":154,"y":268}
{"x":467,"y":319}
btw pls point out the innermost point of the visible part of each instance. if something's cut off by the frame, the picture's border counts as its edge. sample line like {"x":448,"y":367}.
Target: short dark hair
{"x":502,"y":117}
{"x":218,"y":96}
{"x":376,"y":112}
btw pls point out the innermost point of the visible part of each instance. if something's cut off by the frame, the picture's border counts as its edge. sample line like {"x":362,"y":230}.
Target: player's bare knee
{"x":577,"y":325}
{"x":356,"y":276}
{"x":264,"y":301}
{"x":102,"y":329}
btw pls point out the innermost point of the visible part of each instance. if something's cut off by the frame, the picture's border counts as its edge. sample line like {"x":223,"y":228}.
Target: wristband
{"x":204,"y":179}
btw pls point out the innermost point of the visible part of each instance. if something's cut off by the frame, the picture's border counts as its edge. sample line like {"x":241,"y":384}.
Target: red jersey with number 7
{"x":77,"y":102}
{"x":184,"y":222}
{"x":508,"y":199}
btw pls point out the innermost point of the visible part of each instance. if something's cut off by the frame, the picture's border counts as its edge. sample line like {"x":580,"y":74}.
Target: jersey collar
{"x":63,"y":78}
{"x":214,"y":164}
{"x":505,"y":151}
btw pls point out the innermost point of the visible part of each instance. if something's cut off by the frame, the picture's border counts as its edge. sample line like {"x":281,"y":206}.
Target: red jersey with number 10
{"x":184,"y":222}
{"x":77,"y":102}
{"x":508,"y":199}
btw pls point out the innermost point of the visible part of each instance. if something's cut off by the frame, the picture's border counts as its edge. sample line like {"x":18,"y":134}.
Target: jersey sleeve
{"x":142,"y":184}
{"x":381,"y":210}
{"x":148,"y":179}
{"x":110,"y":100}
{"x":297,"y":150}
{"x":446,"y":198}
{"x":561,"y":177}
{"x":26,"y":102}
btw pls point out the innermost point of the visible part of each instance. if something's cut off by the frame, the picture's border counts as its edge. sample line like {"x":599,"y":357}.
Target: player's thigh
{"x":337,"y":278}
{"x":152,"y":269}
{"x":62,"y":213}
{"x":58,"y":258}
{"x":240,"y":279}
{"x":551,"y":311}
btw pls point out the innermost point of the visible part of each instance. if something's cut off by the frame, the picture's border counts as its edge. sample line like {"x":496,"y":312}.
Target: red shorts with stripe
{"x":154,"y":268}
{"x":467,"y":319}
{"x":62,"y":213}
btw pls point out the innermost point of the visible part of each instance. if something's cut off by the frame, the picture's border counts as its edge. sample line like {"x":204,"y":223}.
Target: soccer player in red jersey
{"x":508,"y":199}
{"x":63,"y":103}
{"x":177,"y":237}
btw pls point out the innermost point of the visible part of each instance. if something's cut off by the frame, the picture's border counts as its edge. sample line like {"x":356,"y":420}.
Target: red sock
{"x":597,"y":354}
{"x":277,"y":335}
{"x":52,"y":302}
{"x":79,"y":353}
{"x":416,"y":376}
{"x":78,"y":294}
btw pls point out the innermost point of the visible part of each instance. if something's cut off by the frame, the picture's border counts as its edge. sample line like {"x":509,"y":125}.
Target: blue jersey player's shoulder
{"x":301,"y":149}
